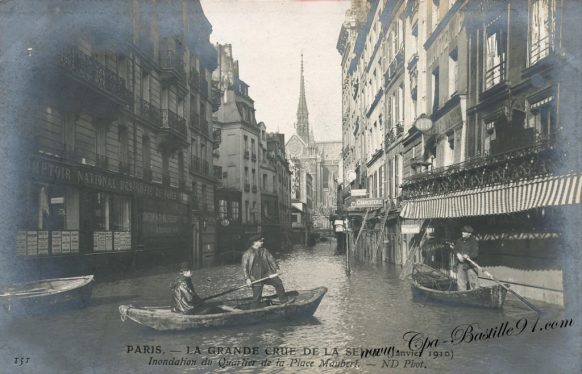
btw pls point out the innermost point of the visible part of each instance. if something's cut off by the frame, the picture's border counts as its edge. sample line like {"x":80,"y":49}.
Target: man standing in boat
{"x":258,"y":263}
{"x":186,"y":300}
{"x":466,"y":247}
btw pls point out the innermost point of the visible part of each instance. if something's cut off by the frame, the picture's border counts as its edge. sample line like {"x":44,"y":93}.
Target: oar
{"x":523,"y":299}
{"x":239,"y":287}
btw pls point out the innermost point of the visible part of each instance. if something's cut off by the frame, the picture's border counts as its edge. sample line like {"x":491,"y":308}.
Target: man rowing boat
{"x":258,"y":263}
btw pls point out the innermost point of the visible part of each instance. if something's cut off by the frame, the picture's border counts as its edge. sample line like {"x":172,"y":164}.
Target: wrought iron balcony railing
{"x":90,"y":71}
{"x":173,"y":122}
{"x":395,"y":65}
{"x":495,"y":75}
{"x":526,"y":162}
{"x":150,"y":113}
{"x":172,"y":61}
{"x":540,"y":49}
{"x":199,"y":166}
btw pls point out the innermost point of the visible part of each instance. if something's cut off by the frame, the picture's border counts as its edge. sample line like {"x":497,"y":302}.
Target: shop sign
{"x":410,"y":229}
{"x":359,"y":193}
{"x":43,"y":243}
{"x":367,"y":203}
{"x":122,"y":240}
{"x":86,"y":176}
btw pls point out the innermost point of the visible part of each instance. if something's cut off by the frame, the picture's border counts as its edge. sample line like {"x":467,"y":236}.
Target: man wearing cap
{"x":185,"y":299}
{"x":466,"y":247}
{"x":258,"y":263}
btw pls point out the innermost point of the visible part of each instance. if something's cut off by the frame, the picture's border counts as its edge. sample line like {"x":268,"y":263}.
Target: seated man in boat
{"x":186,"y":300}
{"x":466,"y":248}
{"x":258,"y":263}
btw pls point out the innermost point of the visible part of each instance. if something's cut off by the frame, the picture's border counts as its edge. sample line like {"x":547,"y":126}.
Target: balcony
{"x":195,"y":121}
{"x":150,"y":113}
{"x":199,"y":166}
{"x":247,"y":155}
{"x":172,"y":67}
{"x":216,"y":98}
{"x":375,"y":156}
{"x":102,"y":162}
{"x":395,"y":66}
{"x":216,"y":138}
{"x":88,"y":71}
{"x":247,"y":187}
{"x":495,"y":75}
{"x":173,"y":123}
{"x":521,"y":163}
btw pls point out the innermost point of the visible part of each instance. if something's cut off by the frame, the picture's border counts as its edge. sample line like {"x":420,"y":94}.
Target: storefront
{"x":78,"y":211}
{"x":518,"y":226}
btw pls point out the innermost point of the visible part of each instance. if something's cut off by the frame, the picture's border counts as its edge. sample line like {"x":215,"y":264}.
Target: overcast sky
{"x":267,"y":38}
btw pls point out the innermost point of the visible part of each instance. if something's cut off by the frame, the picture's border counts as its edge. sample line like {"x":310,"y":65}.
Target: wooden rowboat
{"x":486,"y":296}
{"x":227,"y":313}
{"x":38,"y":295}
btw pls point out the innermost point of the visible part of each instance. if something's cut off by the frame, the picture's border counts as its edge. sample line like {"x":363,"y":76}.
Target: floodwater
{"x":371,"y":308}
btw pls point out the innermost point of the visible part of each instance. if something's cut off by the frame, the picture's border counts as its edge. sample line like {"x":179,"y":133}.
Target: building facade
{"x":108,"y":127}
{"x":473,"y":133}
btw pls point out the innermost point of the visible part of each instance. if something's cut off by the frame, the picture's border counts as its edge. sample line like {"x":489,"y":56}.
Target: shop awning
{"x":498,"y":199}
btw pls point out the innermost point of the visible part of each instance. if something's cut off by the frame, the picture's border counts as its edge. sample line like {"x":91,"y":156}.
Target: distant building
{"x":320,"y":161}
{"x":237,"y":160}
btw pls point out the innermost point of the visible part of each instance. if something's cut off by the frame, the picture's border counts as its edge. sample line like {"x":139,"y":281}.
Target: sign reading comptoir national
{"x":86,"y":176}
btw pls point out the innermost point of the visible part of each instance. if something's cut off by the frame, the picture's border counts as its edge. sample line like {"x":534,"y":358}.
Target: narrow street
{"x":371,"y":308}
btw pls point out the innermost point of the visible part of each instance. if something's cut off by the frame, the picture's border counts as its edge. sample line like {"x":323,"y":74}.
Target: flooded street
{"x":371,"y":308}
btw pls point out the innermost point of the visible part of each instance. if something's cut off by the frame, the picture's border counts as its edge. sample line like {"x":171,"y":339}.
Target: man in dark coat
{"x":466,"y":248}
{"x":185,"y":299}
{"x":258,"y":263}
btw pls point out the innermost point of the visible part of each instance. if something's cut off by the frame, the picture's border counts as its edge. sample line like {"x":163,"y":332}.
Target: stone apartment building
{"x":479,"y":136}
{"x":114,"y":126}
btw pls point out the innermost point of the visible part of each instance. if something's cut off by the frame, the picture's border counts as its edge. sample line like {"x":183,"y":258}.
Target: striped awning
{"x":498,"y":199}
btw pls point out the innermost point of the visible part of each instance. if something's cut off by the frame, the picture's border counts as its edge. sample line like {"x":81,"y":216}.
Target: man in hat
{"x":466,"y":248}
{"x":258,"y":263}
{"x":185,"y":299}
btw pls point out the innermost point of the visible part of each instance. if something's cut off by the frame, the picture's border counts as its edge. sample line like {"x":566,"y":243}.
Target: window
{"x":123,"y":149}
{"x":247,"y":211}
{"x":490,"y":136}
{"x":120,"y":213}
{"x":246,"y":140}
{"x":235,"y":210}
{"x":264,"y":182}
{"x":254,"y":178}
{"x":203,"y":199}
{"x":381,"y":181}
{"x":181,"y":177}
{"x":254,"y":212}
{"x":542,"y":29}
{"x":222,"y":209}
{"x":495,"y":52}
{"x":542,"y":117}
{"x":453,"y":70}
{"x":400,"y":105}
{"x":52,"y":207}
{"x":246,"y":175}
{"x":101,"y":145}
{"x":435,"y":14}
{"x":435,"y":90}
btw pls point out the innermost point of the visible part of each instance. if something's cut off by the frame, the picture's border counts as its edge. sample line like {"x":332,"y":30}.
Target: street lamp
{"x":423,"y":123}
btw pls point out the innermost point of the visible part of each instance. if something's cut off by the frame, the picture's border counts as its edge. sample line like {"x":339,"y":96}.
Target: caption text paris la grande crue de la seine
{"x":416,"y":350}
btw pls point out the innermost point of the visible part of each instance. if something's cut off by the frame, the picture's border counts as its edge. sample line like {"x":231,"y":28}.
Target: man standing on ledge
{"x":258,"y":263}
{"x":466,"y":247}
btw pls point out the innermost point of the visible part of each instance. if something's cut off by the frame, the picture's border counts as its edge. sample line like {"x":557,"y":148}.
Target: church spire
{"x":302,"y":124}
